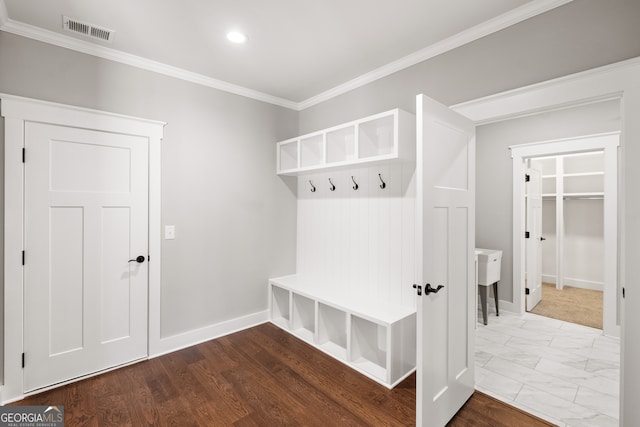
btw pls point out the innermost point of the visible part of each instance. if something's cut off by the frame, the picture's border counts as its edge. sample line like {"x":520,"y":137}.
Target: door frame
{"x":608,"y":143}
{"x":615,"y":81}
{"x":16,"y":111}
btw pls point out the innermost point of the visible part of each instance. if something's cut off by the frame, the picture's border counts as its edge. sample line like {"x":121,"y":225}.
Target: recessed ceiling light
{"x":236,"y":37}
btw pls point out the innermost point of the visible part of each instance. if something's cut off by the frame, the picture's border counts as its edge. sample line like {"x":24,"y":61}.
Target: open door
{"x":533,"y":209}
{"x":445,"y":273}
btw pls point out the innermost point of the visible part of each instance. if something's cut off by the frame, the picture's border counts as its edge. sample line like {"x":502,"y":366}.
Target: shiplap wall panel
{"x":359,"y":242}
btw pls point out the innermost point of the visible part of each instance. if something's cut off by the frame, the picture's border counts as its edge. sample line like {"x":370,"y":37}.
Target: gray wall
{"x":578,"y":36}
{"x":235,"y":219}
{"x":494,"y":176}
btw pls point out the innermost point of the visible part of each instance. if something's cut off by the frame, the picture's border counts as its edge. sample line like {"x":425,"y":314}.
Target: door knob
{"x":139,"y":259}
{"x":428,"y":289}
{"x":542,"y":238}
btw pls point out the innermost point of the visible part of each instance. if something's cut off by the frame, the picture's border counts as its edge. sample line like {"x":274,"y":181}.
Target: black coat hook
{"x":333,"y":187}
{"x":383,"y":184}
{"x":355,"y":184}
{"x":313,"y":187}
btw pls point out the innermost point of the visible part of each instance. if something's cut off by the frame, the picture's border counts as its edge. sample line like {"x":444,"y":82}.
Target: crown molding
{"x":491,"y":26}
{"x":522,"y":101}
{"x":82,"y":46}
{"x":498,"y":23}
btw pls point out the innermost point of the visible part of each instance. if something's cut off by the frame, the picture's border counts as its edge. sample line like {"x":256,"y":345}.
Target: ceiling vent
{"x":90,"y":30}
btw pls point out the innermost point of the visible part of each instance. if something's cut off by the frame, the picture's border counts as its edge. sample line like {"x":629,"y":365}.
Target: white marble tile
{"x":554,"y":386}
{"x":568,"y":374}
{"x":555,"y":407}
{"x":597,"y":420}
{"x":579,"y":377}
{"x":499,"y":384}
{"x":482,"y":357}
{"x":572,"y":343}
{"x":599,"y":402}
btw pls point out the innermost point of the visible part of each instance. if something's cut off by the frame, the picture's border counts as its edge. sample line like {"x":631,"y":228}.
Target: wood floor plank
{"x":258,"y":377}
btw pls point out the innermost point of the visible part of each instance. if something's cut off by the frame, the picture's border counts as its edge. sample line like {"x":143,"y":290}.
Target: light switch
{"x":169,"y":232}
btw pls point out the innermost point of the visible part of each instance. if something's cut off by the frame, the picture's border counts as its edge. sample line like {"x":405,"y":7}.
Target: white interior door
{"x":86,"y":216}
{"x":446,"y":239}
{"x":533,"y":206}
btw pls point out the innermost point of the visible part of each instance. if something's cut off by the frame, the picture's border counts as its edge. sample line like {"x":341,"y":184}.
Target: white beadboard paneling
{"x":359,"y":242}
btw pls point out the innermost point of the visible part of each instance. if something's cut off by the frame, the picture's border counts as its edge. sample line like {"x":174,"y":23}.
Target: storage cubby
{"x":369,"y":346}
{"x":549,"y":185}
{"x":584,"y":183}
{"x":341,"y":145}
{"x":332,"y":330}
{"x":280,"y":306}
{"x":385,"y":137}
{"x":304,"y":317}
{"x":583,"y":163}
{"x":312,"y":151}
{"x":288,"y":155}
{"x":376,"y":137}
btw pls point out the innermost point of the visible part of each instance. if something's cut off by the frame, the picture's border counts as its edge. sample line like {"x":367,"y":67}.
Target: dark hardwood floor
{"x":258,"y":377}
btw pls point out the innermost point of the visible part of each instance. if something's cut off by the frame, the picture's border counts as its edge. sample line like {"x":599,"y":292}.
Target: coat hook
{"x":355,"y":184}
{"x":333,"y":187}
{"x":313,"y":187}
{"x":383,"y":184}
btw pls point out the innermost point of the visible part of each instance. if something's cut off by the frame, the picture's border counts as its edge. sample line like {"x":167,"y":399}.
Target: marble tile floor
{"x":564,"y":373}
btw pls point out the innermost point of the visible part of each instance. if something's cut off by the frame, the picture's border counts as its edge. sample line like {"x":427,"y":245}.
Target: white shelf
{"x":384,"y":137}
{"x":375,"y":338}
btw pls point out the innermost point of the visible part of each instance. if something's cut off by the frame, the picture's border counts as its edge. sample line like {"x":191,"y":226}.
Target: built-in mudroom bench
{"x":351,"y":295}
{"x":373,"y":337}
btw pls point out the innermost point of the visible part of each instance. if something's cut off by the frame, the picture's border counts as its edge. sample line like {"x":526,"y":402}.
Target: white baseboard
{"x":575,"y":283}
{"x":197,"y":336}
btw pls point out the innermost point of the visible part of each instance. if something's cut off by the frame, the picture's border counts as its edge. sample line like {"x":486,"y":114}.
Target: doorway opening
{"x":570,"y":247}
{"x":578,"y":179}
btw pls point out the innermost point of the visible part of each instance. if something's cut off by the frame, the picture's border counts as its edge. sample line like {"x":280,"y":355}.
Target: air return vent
{"x":90,"y":30}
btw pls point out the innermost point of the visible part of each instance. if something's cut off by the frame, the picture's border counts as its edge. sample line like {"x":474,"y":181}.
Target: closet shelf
{"x":381,"y":138}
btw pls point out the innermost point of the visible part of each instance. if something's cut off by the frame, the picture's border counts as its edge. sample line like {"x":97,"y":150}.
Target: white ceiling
{"x":299,"y":52}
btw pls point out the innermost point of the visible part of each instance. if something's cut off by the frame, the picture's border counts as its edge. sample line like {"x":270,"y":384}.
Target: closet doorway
{"x":572,"y":237}
{"x":577,"y":245}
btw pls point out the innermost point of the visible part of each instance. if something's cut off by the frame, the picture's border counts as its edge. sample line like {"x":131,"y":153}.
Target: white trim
{"x":608,"y":142}
{"x":595,"y":85}
{"x":3,"y":13}
{"x":519,"y":14}
{"x":104,"y":52}
{"x":575,"y":283}
{"x":16,"y":111}
{"x":197,"y":336}
{"x":486,"y":28}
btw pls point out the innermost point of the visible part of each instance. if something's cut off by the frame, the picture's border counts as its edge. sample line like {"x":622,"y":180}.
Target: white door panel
{"x":534,"y":242}
{"x":86,"y":216}
{"x":445,"y":257}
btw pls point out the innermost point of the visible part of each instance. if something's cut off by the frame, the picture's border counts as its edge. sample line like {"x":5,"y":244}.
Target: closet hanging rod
{"x":583,"y":198}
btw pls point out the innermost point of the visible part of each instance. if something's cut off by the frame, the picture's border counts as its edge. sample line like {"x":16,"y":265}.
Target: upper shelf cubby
{"x":382,"y":137}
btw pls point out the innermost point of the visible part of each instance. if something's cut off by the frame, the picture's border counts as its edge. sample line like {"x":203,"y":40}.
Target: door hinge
{"x":622,"y":292}
{"x":22,"y":257}
{"x":148,"y":257}
{"x":527,"y":177}
{"x":23,"y":360}
{"x":527,"y":234}
{"x":526,"y":291}
{"x":24,"y":154}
